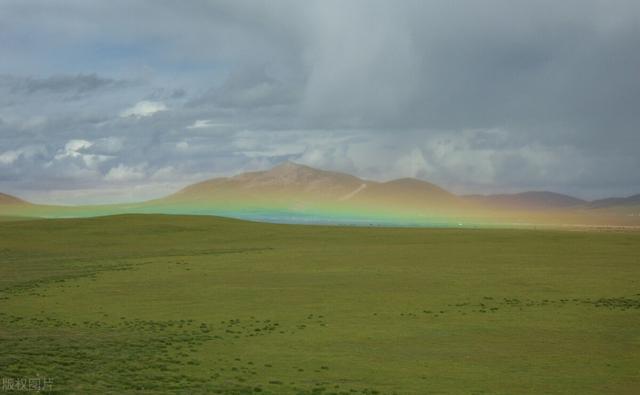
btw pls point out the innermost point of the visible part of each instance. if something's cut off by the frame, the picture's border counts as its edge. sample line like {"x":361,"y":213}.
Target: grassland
{"x":177,"y":304}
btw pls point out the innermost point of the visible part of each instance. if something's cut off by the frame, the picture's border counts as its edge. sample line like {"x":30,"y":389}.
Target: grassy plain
{"x":178,"y":304}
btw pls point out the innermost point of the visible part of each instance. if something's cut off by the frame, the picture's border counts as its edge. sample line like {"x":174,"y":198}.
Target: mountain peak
{"x":302,"y":177}
{"x":290,"y":167}
{"x":294,"y":172}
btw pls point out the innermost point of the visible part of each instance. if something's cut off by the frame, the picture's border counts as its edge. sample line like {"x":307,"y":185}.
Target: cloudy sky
{"x":111,"y":101}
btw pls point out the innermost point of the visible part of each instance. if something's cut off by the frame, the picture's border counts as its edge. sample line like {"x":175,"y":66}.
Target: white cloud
{"x":105,"y":193}
{"x":168,"y":173}
{"x":73,"y":146}
{"x":206,"y":123}
{"x":110,"y":145}
{"x":8,"y":157}
{"x":144,"y":109}
{"x":77,"y":149}
{"x":126,"y":173}
{"x":200,"y":124}
{"x":72,"y":149}
{"x":182,"y":146}
{"x":413,"y":164}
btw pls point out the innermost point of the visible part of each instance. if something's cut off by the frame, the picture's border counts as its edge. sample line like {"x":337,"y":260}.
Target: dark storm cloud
{"x":477,"y":96}
{"x":248,"y":88}
{"x":59,"y":84}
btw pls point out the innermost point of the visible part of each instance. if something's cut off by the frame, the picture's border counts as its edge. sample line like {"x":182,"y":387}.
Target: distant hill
{"x":295,"y":193}
{"x":611,"y":202}
{"x":8,"y":199}
{"x":534,"y":200}
{"x":288,"y":181}
{"x":409,"y":193}
{"x":291,"y":190}
{"x":295,"y":186}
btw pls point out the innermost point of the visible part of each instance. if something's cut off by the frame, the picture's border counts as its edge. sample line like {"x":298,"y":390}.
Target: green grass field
{"x":172,"y":304}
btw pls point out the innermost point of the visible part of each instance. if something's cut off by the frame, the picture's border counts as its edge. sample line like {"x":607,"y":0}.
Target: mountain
{"x":288,"y":181}
{"x":613,"y":202}
{"x":295,"y":193}
{"x":526,"y":201}
{"x":408,"y":193}
{"x":12,"y":207}
{"x":292,"y":192}
{"x":10,"y":200}
{"x":300,"y":188}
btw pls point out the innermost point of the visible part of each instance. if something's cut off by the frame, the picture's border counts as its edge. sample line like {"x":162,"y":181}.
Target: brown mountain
{"x":291,"y":189}
{"x":298,"y":184}
{"x":288,"y":181}
{"x":528,"y":201}
{"x":10,"y":200}
{"x":616,"y":202}
{"x":296,"y":187}
{"x":408,"y":193}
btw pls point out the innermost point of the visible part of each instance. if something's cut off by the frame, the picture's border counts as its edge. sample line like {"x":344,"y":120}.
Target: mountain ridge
{"x":531,"y":200}
{"x":288,"y":173}
{"x":294,"y":192}
{"x":616,"y":201}
{"x":292,"y":181}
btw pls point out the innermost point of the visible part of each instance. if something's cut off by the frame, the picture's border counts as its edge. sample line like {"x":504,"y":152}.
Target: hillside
{"x":286,"y":182}
{"x":297,"y":187}
{"x":616,"y":202}
{"x":294,"y":193}
{"x":409,"y":193}
{"x":533,"y":200}
{"x":8,"y":199}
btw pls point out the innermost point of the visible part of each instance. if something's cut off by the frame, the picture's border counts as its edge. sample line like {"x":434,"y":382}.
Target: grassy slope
{"x":201,"y":304}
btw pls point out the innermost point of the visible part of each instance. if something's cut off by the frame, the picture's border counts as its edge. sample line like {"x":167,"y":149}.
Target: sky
{"x":116,"y":101}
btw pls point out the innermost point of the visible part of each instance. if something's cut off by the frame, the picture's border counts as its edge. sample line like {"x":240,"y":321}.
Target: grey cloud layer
{"x":476,"y":96}
{"x":58,"y":84}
